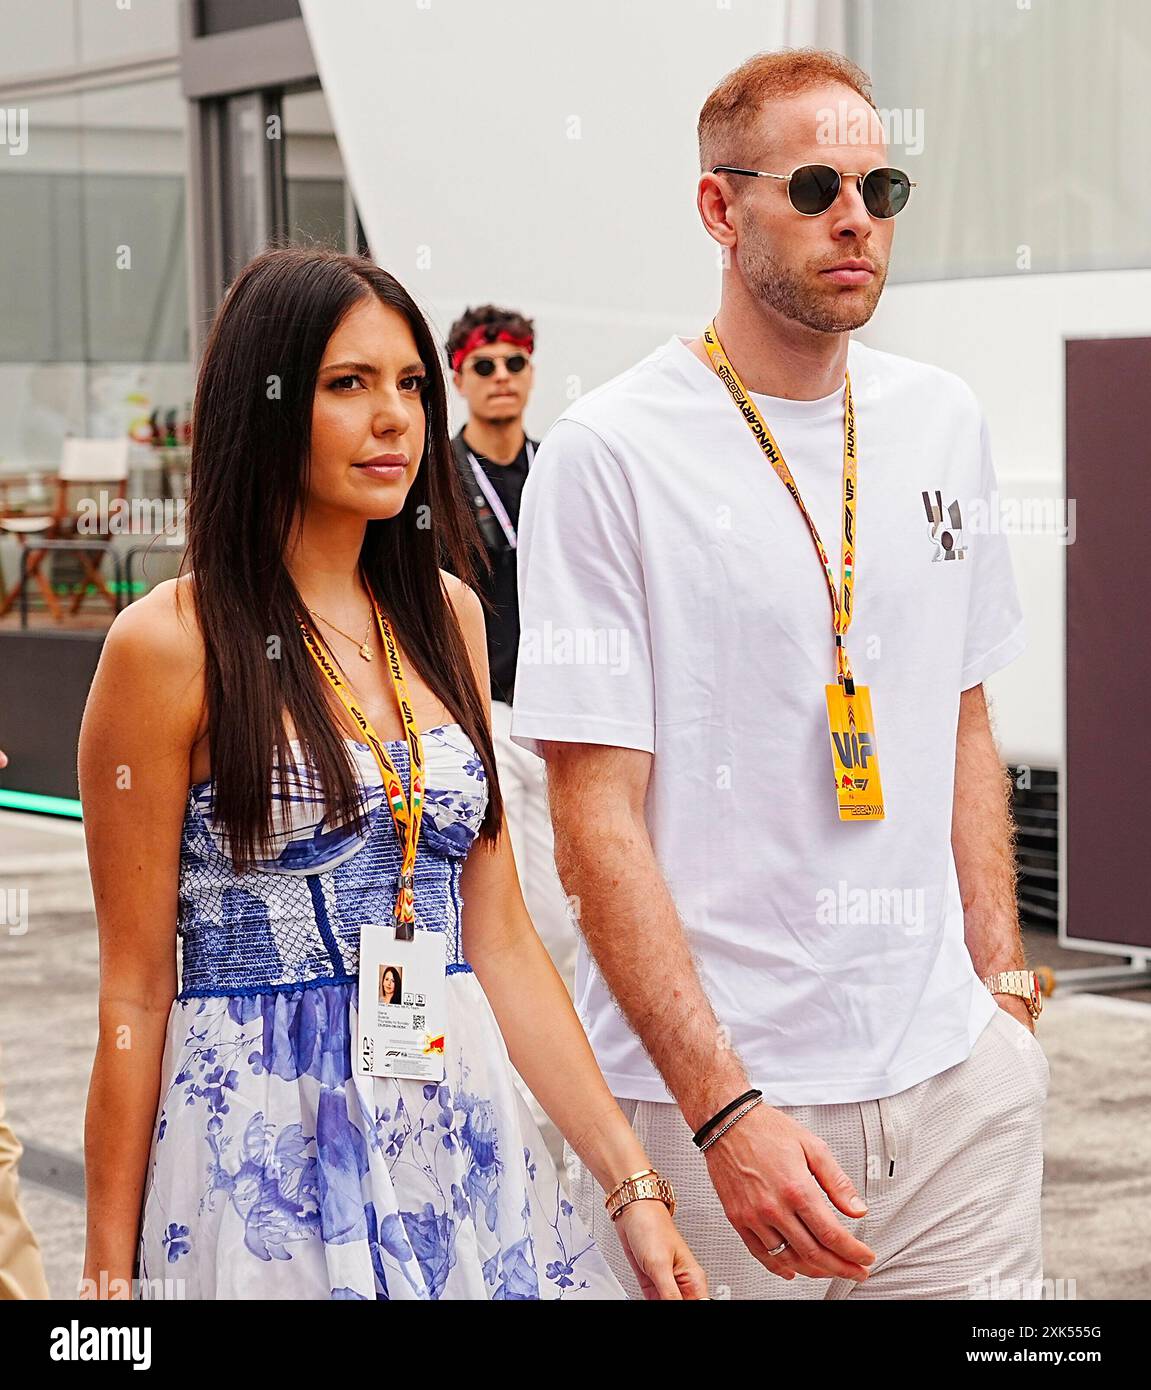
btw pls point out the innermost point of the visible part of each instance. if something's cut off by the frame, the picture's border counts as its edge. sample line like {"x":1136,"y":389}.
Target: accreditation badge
{"x":402,"y":1000}
{"x":854,"y":755}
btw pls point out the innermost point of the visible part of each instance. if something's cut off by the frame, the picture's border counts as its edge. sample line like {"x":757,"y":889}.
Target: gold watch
{"x":648,"y":1183}
{"x":1024,"y":983}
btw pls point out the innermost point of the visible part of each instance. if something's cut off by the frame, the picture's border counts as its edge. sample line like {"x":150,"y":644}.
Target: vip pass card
{"x":402,"y":1004}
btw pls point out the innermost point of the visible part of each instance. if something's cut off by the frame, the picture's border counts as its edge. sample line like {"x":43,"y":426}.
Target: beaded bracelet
{"x":739,"y":1114}
{"x":698,"y":1137}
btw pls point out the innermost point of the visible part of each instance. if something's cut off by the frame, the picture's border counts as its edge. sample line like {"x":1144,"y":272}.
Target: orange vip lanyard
{"x":841,"y":603}
{"x":407,"y":813}
{"x":851,"y":725}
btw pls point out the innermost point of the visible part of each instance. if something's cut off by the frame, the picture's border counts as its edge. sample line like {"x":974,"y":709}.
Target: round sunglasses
{"x":813,"y":188}
{"x":486,"y":366}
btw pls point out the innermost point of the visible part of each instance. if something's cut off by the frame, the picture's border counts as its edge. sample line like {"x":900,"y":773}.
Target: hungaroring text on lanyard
{"x":854,"y":755}
{"x":401,"y":1034}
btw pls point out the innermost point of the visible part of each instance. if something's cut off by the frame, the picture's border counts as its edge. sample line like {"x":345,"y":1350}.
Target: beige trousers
{"x":950,"y":1170}
{"x":21,"y":1268}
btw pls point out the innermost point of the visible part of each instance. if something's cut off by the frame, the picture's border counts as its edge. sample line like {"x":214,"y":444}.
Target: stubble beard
{"x":790,"y":294}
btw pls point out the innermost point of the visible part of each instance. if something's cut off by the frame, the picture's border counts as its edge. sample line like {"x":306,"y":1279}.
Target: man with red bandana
{"x":490,"y":351}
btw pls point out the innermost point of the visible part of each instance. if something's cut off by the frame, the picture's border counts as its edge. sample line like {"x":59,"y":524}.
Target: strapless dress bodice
{"x":294,"y":917}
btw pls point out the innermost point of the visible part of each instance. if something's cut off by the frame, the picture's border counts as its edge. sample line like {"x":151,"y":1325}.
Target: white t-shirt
{"x":671,"y":600}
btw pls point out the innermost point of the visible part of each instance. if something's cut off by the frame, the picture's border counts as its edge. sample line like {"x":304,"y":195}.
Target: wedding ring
{"x":778,"y":1248}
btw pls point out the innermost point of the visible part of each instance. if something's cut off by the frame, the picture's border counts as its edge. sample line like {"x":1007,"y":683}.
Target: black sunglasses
{"x":485,"y":366}
{"x":813,"y":188}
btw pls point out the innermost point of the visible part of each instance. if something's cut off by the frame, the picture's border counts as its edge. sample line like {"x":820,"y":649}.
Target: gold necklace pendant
{"x":365,"y":651}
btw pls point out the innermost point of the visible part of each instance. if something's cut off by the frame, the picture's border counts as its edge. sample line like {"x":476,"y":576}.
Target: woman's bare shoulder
{"x":464,"y":599}
{"x":469,"y":613}
{"x":163,"y":623}
{"x":157,"y":639}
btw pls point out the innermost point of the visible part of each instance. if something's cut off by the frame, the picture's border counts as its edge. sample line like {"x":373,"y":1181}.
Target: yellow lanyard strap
{"x":407,"y":816}
{"x":841,"y":607}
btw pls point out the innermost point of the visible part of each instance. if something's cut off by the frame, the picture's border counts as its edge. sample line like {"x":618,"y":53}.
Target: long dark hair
{"x":251,"y":443}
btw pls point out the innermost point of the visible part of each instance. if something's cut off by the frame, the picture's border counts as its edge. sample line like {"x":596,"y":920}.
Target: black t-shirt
{"x":503,"y":620}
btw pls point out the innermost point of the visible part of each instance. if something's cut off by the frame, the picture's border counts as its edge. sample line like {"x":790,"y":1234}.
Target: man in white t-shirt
{"x":820,"y":1037}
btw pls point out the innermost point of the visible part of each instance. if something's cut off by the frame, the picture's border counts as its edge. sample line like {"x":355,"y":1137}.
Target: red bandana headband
{"x":478,"y":337}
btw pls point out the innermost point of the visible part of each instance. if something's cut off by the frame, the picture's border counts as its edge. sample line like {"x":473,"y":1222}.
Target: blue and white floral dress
{"x":275,"y":1171}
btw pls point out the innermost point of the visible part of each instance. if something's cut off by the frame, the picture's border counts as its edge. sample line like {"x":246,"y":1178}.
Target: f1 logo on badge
{"x":946,"y":531}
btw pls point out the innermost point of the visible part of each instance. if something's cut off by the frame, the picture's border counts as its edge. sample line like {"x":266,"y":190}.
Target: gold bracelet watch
{"x":1020,"y":982}
{"x":648,"y":1183}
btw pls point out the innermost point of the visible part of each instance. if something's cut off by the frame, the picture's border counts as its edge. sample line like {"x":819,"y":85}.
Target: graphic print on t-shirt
{"x":946,"y":527}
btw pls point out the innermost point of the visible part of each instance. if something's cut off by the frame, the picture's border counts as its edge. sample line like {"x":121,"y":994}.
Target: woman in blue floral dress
{"x":241,"y":795}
